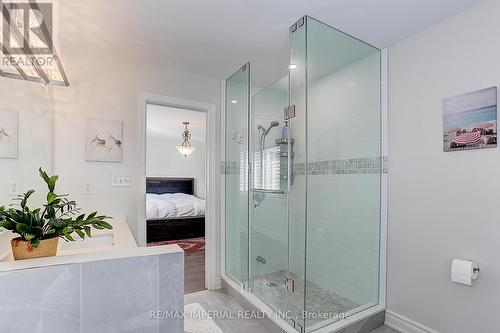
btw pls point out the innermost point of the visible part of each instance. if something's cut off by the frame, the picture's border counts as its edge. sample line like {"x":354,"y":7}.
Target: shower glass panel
{"x":236,"y":175}
{"x":298,"y":194}
{"x":343,"y":174}
{"x":269,"y":195}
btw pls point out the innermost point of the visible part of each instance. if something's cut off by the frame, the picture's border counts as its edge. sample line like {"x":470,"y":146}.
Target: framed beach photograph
{"x":470,"y":120}
{"x":103,"y":140}
{"x":9,"y":128}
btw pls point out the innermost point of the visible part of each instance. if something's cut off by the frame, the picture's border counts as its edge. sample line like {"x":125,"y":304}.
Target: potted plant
{"x":39,"y":229}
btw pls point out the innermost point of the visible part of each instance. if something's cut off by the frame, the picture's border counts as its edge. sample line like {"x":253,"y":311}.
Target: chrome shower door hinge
{"x":289,"y":284}
{"x":290,"y":112}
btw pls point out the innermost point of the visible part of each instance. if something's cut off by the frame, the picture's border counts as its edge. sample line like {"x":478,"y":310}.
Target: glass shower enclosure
{"x":303,"y":170}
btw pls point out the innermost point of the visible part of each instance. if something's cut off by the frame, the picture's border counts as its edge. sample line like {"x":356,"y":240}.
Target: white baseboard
{"x":405,"y":325}
{"x":218,"y":283}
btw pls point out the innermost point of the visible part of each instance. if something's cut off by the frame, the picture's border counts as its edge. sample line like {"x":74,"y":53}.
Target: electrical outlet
{"x":13,"y":188}
{"x":120,"y":181}
{"x":88,"y":187}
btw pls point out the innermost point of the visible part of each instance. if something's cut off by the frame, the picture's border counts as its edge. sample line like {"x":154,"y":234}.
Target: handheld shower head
{"x":274,"y":123}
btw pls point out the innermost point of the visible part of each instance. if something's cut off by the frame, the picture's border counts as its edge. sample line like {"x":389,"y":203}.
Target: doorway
{"x":175,"y":201}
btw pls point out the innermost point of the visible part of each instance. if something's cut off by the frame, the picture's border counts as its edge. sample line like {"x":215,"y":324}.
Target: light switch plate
{"x":88,"y":187}
{"x":120,"y":181}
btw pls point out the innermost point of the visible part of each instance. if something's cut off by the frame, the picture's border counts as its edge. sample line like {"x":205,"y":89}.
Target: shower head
{"x":264,"y":132}
{"x":274,"y":123}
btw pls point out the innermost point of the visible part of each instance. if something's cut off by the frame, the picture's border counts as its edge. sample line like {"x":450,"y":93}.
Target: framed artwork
{"x":9,"y":133}
{"x":103,"y":140}
{"x":470,"y":120}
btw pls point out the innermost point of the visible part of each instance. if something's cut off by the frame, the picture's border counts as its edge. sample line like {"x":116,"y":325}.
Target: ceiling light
{"x":186,"y":151}
{"x":186,"y":148}
{"x":234,"y":101}
{"x":292,"y":67}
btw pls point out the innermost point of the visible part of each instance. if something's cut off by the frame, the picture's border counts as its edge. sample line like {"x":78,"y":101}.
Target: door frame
{"x":212,"y":275}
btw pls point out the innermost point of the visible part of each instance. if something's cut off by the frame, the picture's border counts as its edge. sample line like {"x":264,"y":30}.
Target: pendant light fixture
{"x":27,"y":49}
{"x":186,"y":148}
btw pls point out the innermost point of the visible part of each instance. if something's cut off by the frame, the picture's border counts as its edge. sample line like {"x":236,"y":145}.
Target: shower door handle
{"x":262,"y":190}
{"x":288,"y":283}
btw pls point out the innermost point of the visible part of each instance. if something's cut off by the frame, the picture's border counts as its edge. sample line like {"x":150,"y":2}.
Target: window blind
{"x":267,"y":177}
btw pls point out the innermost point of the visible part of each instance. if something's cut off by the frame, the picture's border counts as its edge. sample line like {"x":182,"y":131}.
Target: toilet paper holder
{"x":464,"y":271}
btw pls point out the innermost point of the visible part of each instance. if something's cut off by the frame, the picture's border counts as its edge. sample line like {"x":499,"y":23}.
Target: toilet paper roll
{"x":464,"y":271}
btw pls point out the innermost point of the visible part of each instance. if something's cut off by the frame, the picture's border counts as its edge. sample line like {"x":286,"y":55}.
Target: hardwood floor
{"x":194,"y":272}
{"x":194,"y":263}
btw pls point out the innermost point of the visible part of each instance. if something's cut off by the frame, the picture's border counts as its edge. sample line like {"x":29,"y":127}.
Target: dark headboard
{"x":170,"y":185}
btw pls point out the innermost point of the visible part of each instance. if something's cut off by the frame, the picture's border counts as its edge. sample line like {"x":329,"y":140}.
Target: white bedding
{"x":171,"y":206}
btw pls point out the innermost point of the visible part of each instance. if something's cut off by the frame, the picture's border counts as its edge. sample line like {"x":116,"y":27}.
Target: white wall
{"x":443,"y":205}
{"x":164,"y":129}
{"x":108,"y":86}
{"x":34,"y":106}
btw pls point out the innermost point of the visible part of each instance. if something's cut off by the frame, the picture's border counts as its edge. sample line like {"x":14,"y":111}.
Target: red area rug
{"x":190,"y":246}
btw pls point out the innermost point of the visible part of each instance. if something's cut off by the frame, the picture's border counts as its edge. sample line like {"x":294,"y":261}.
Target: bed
{"x":172,"y":210}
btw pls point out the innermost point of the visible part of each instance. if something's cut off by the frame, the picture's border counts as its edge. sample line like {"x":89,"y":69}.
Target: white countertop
{"x":124,"y":247}
{"x":89,"y":257}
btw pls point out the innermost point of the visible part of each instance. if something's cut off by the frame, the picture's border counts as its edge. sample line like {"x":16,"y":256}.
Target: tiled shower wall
{"x":344,"y":171}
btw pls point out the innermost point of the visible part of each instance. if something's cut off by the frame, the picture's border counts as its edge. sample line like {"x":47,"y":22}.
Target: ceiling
{"x":214,"y":38}
{"x":166,"y":122}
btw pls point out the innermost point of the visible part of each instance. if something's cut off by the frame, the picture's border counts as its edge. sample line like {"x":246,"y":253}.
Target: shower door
{"x":236,"y":175}
{"x":269,"y":255}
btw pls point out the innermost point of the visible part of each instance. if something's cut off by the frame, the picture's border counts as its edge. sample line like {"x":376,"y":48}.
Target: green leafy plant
{"x":59,"y":217}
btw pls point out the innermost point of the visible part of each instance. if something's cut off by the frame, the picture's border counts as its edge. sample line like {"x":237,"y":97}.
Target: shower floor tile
{"x":319,"y":300}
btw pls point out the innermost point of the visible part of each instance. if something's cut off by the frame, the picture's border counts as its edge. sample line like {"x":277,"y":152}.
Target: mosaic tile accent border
{"x":353,"y":166}
{"x":229,"y":168}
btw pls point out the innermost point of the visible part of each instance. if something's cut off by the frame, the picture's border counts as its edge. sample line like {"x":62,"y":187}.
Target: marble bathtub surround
{"x":106,"y":292}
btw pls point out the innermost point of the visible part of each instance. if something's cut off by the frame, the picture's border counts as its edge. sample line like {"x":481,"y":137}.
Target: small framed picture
{"x":470,"y":120}
{"x":103,"y":140}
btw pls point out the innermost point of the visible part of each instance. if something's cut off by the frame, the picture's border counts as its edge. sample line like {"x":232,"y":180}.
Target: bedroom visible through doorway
{"x":176,"y":185}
